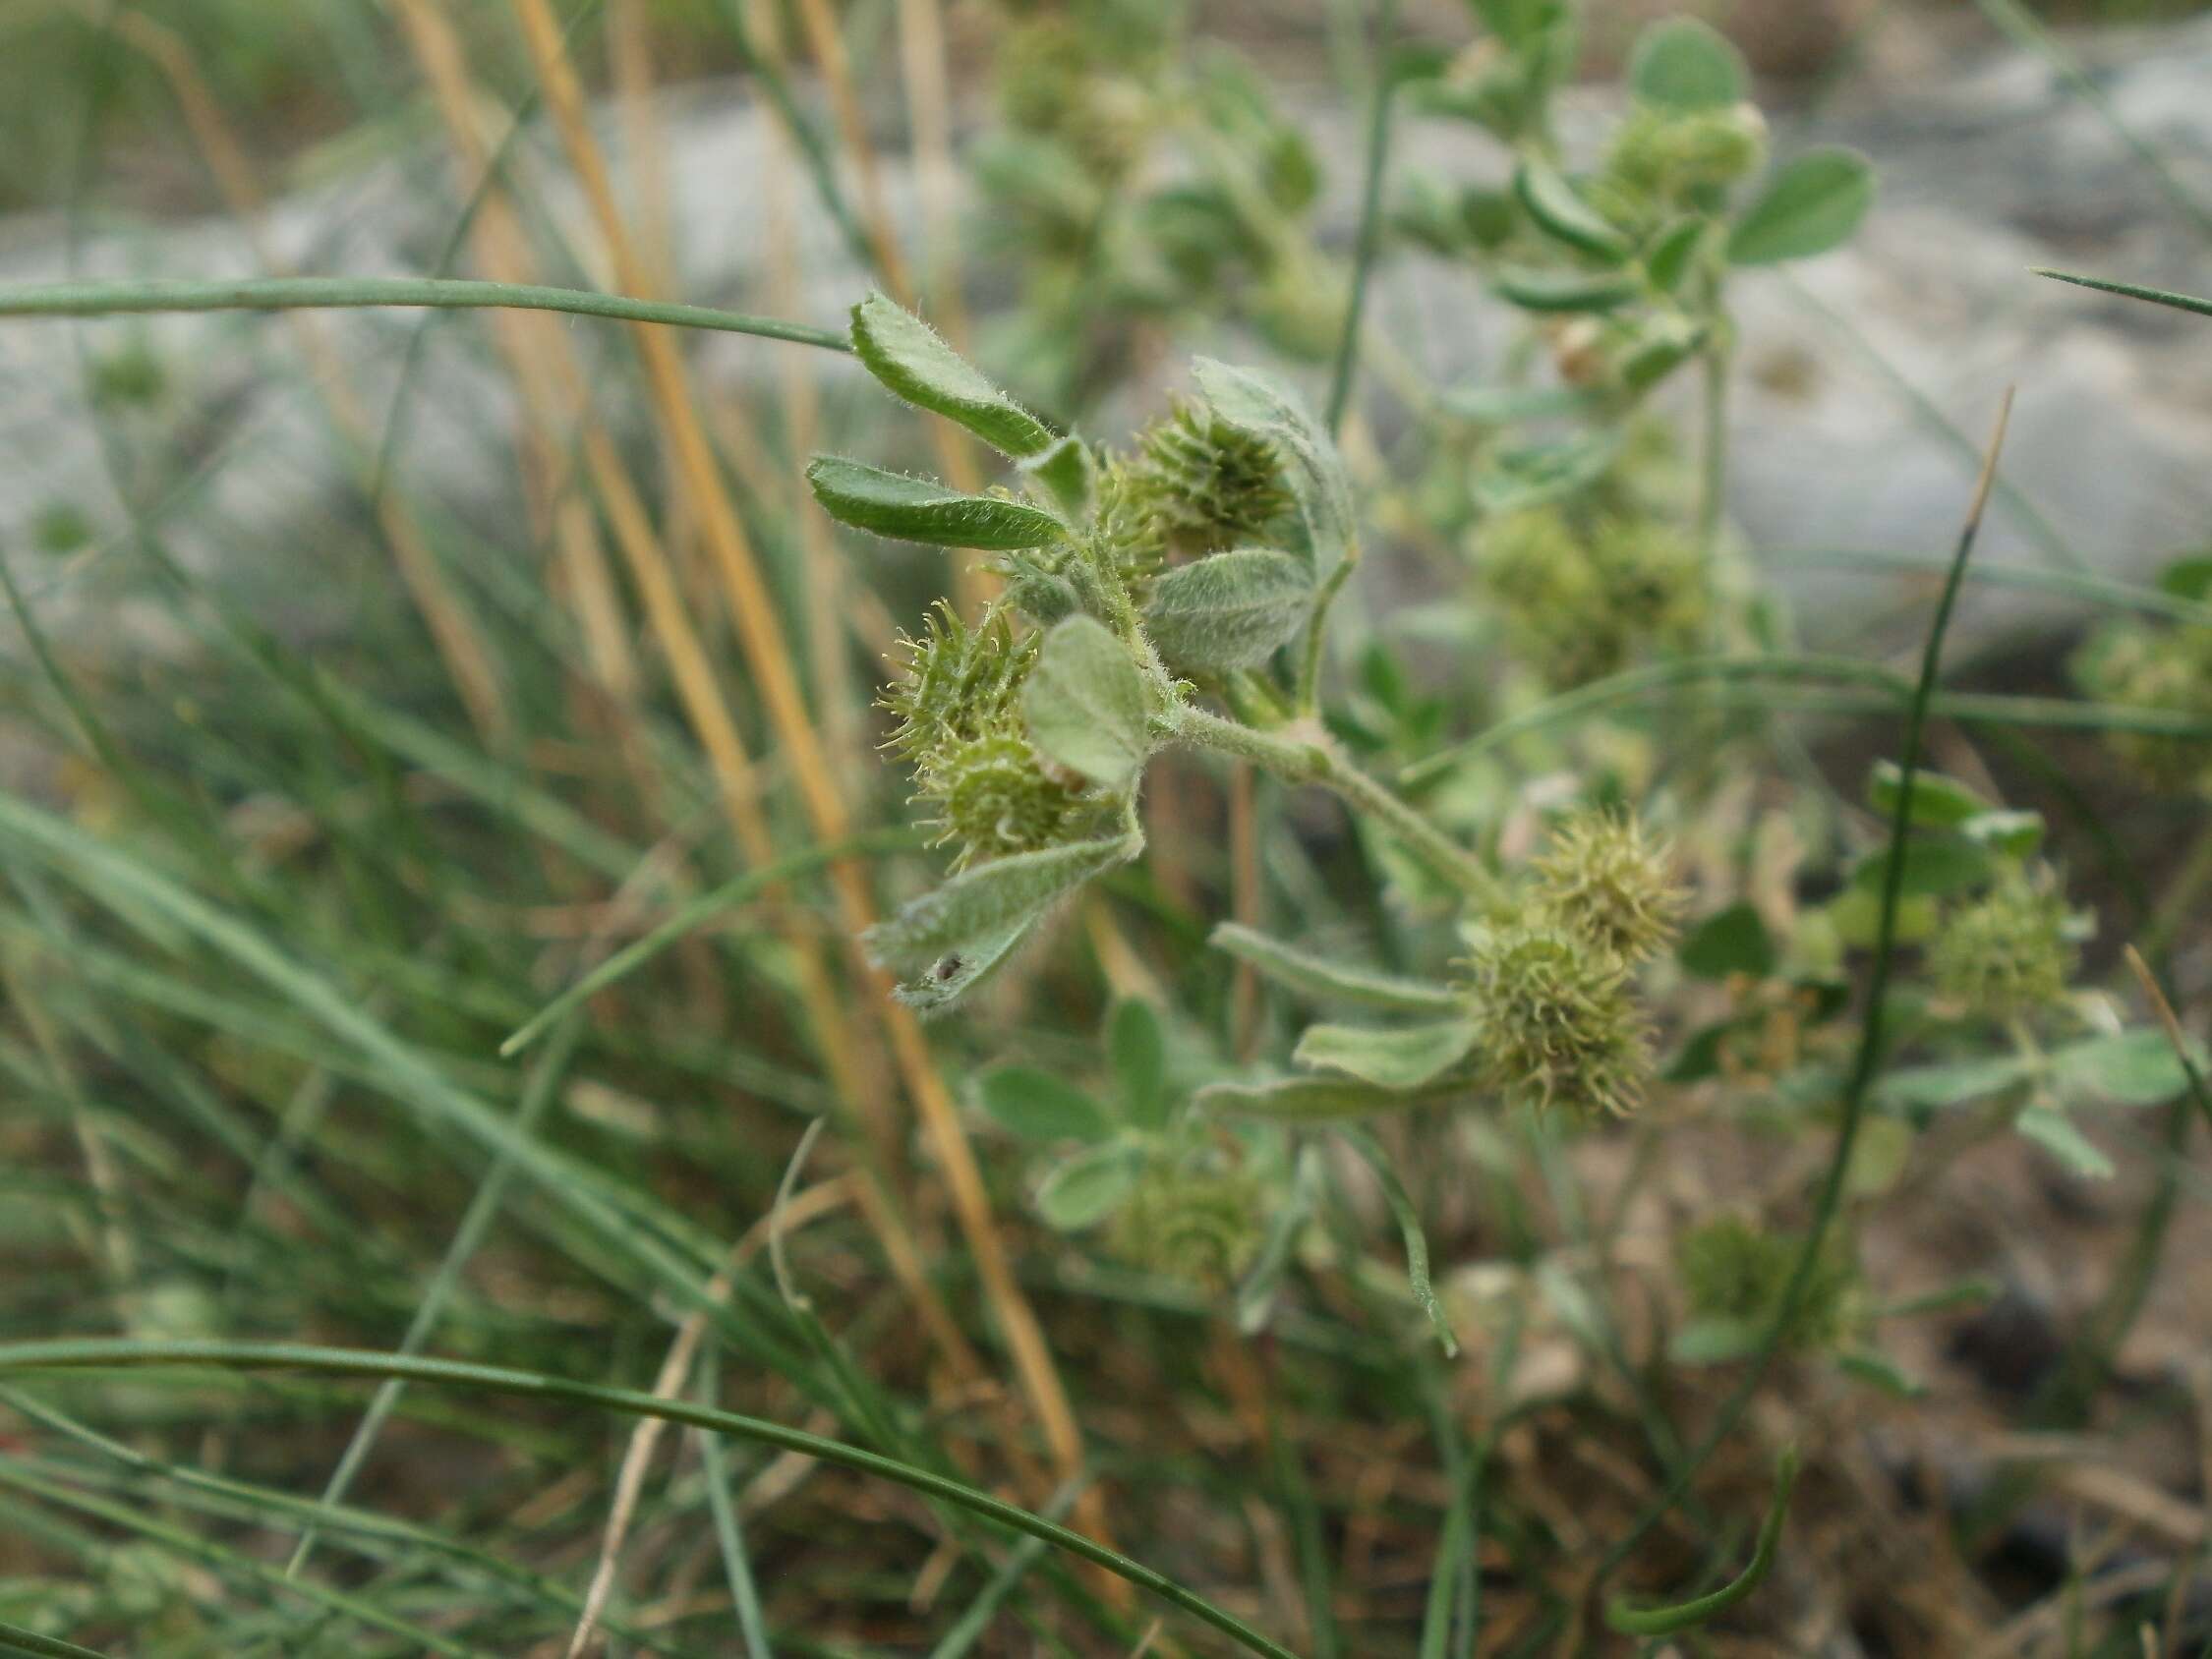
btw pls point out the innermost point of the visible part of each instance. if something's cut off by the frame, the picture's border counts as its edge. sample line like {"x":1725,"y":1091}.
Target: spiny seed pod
{"x":1196,"y":1225}
{"x":1206,"y":485}
{"x":2169,"y":669}
{"x":957,"y":683}
{"x":1657,"y":579}
{"x":2008,"y":953}
{"x":996,"y":798}
{"x":1662,"y":156}
{"x":1732,"y":1270}
{"x":1604,"y":880}
{"x":1556,"y":1019}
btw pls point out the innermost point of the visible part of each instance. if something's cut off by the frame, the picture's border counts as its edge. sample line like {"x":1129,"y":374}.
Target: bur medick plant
{"x":1134,"y":182}
{"x":1619,"y":263}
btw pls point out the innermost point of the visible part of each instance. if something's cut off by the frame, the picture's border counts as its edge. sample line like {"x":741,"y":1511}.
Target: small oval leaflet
{"x":918,"y":509}
{"x":1811,"y":205}
{"x":1232,"y":611}
{"x":914,"y":361}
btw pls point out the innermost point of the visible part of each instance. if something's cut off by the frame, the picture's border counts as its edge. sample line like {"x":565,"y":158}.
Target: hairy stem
{"x":1310,"y":756}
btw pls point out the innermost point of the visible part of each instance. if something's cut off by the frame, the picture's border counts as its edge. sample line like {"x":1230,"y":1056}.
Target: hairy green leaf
{"x":1327,"y":981}
{"x":1232,"y":611}
{"x":917,"y":509}
{"x":1084,"y":702}
{"x":2054,"y":1131}
{"x":943,"y":943}
{"x":1314,"y":1100}
{"x":1393,"y":1057}
{"x":915,"y":363}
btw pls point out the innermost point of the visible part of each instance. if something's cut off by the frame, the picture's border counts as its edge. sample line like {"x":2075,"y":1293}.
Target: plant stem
{"x":1370,"y":215}
{"x":336,"y":293}
{"x":1714,"y":478}
{"x":1313,"y":758}
{"x":1868,"y":1060}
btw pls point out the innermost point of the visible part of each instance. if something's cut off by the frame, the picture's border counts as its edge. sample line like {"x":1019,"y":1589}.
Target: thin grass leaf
{"x":1408,"y":1228}
{"x":1688,"y":1615}
{"x":108,"y":1353}
{"x":338,"y":293}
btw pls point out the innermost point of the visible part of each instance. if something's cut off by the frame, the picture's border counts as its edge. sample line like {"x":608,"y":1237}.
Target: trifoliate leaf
{"x":1085,"y":703}
{"x":919,"y":509}
{"x":1392,"y":1057}
{"x":1811,"y":205}
{"x":1232,"y":611}
{"x":915,"y":363}
{"x":1933,"y":865}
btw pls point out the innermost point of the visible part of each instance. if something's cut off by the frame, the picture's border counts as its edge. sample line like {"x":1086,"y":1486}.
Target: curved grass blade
{"x":355,"y":293}
{"x":15,"y":1641}
{"x":113,"y":1353}
{"x":1683,"y":1616}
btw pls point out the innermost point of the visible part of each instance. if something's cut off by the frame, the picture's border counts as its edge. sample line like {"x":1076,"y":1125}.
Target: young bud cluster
{"x":1660,"y":158}
{"x":2008,"y":953}
{"x":2165,"y":669}
{"x":1578,"y":603}
{"x":1193,"y":1221}
{"x":1733,"y":1269}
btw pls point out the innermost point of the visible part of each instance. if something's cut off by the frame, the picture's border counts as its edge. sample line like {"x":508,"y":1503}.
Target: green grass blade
{"x":2129,"y":290}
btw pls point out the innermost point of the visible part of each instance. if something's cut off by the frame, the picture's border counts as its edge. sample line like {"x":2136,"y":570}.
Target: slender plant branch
{"x":1313,"y":758}
{"x":1868,"y":1061}
{"x":1370,"y":214}
{"x":334,"y":293}
{"x":114,"y":1353}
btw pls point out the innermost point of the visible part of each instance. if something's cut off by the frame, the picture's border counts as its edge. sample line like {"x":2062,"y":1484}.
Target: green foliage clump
{"x":2167,"y":669}
{"x":2008,"y":952}
{"x":1193,"y":1221}
{"x":1662,"y":159}
{"x":1575,"y":604}
{"x":1733,"y":1269}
